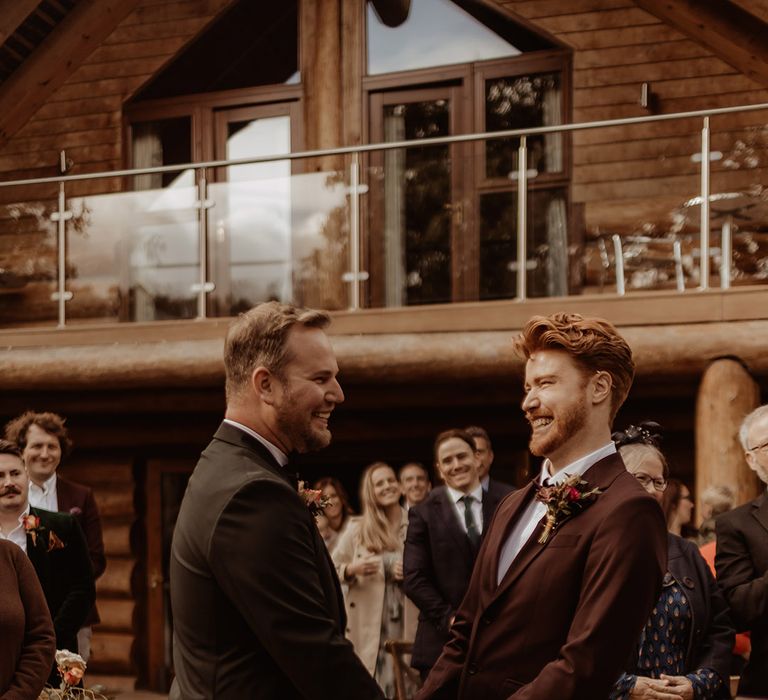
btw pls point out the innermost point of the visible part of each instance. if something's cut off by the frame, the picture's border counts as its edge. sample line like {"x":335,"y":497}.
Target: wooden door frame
{"x":157,"y":676}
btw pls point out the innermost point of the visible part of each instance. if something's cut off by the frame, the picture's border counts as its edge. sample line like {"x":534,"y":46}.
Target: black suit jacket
{"x":257,"y":608}
{"x":78,"y":500}
{"x":742,"y":572}
{"x":437,"y":563}
{"x":65,"y":575}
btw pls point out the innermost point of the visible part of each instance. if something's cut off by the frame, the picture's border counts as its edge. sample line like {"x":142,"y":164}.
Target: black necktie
{"x":469,"y":520}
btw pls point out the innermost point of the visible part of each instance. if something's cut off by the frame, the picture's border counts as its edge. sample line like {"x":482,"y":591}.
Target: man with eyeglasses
{"x":742,"y":558}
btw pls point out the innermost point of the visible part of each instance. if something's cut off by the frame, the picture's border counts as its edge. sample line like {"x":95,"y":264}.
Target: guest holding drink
{"x":369,"y":559}
{"x":684,"y":649}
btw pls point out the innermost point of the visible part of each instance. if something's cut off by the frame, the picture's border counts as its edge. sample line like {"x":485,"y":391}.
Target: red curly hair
{"x":593,"y":343}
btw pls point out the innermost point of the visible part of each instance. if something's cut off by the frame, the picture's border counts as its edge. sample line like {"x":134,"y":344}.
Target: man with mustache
{"x":55,"y":545}
{"x":564,"y":580}
{"x":44,"y":441}
{"x":257,"y":608}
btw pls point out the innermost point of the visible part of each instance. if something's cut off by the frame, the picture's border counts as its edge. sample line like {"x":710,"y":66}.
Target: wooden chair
{"x":399,"y":649}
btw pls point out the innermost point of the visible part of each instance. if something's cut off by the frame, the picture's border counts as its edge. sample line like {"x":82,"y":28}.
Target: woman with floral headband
{"x":684,"y":649}
{"x":369,"y":559}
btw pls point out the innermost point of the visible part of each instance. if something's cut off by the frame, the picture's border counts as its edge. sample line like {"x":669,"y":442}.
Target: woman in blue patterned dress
{"x":684,"y":649}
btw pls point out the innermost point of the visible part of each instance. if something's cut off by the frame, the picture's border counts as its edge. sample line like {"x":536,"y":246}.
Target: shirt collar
{"x":280,"y":457}
{"x":456,"y":496}
{"x":578,"y":467}
{"x":49,"y":485}
{"x":485,"y":481}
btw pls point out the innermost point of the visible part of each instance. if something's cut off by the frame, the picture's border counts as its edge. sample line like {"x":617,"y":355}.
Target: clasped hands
{"x":371,"y":564}
{"x":664,"y":688}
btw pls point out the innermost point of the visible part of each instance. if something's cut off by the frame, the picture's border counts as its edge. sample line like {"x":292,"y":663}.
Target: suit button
{"x":472,"y":669}
{"x":351,"y":605}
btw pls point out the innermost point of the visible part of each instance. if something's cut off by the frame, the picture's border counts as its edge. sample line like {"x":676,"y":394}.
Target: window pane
{"x":417,"y":199}
{"x":519,"y":102}
{"x":162,"y":142}
{"x":437,"y":32}
{"x":547,"y":255}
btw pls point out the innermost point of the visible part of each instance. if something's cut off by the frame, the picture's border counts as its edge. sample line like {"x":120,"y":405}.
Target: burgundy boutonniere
{"x":563,"y":501}
{"x":313,"y":499}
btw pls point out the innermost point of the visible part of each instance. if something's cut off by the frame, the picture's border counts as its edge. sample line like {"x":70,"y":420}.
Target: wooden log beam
{"x":12,"y":14}
{"x":727,"y":393}
{"x":727,"y":29}
{"x":62,"y":52}
{"x":662,"y":352}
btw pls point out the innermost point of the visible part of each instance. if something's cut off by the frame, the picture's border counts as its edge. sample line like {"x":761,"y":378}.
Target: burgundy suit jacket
{"x":78,"y":500}
{"x":568,"y":613}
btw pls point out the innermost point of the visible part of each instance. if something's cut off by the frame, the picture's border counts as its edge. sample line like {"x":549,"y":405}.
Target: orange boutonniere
{"x":313,"y":499}
{"x":563,"y":501}
{"x":32,"y":527}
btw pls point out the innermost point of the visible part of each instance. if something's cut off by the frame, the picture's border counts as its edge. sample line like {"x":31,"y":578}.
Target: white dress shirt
{"x":536,"y":510}
{"x":485,"y":481}
{"x":18,"y":535}
{"x":477,"y":506}
{"x":280,"y":457}
{"x":45,"y":496}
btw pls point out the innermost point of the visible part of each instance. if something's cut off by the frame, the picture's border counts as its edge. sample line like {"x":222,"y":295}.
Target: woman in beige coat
{"x":369,"y":560}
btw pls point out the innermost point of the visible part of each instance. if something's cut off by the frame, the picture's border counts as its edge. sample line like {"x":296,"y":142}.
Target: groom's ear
{"x":263,"y":385}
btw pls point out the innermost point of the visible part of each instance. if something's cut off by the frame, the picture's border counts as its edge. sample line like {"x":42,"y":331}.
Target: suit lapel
{"x":447,"y":513}
{"x":760,"y":510}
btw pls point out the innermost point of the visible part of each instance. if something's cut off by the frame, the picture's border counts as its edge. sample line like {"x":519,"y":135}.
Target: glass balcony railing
{"x":606,"y":208}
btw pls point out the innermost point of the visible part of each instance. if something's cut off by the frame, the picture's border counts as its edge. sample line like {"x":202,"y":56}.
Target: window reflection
{"x":520,"y":102}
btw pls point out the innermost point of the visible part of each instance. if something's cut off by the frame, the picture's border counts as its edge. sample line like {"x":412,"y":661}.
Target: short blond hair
{"x":258,"y":338}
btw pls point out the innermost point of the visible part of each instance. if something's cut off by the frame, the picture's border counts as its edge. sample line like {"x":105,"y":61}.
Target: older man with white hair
{"x":742,"y":557}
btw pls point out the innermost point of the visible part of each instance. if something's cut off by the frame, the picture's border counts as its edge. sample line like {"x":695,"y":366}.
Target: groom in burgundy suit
{"x":554,"y":612}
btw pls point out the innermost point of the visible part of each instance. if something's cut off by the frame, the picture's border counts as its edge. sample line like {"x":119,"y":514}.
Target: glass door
{"x":417,"y":211}
{"x":249,"y":227}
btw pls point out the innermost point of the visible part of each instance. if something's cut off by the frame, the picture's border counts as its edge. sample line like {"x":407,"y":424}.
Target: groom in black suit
{"x":258,"y":611}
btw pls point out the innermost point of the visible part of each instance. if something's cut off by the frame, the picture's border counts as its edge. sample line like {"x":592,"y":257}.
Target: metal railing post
{"x":354,"y":232}
{"x":726,"y":253}
{"x":60,"y":217}
{"x":677,"y":254}
{"x":618,"y":255}
{"x":704,"y":233}
{"x":203,"y":204}
{"x":522,"y":219}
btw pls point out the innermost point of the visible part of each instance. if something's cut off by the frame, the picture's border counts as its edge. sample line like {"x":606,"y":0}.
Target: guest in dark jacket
{"x":439,"y":552}
{"x":685,"y":647}
{"x":27,"y":642}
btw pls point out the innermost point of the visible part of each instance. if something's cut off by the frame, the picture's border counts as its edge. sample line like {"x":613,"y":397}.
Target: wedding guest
{"x":45,"y":442}
{"x":715,"y":500}
{"x":742,"y":557}
{"x":55,"y":546}
{"x":337,"y":513}
{"x":685,"y":647}
{"x":677,"y":504}
{"x":415,"y":483}
{"x":498,"y":489}
{"x":27,"y":640}
{"x":369,"y":559}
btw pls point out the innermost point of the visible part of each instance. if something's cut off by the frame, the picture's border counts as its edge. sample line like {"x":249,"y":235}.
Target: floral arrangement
{"x":563,"y":501}
{"x":313,"y":499}
{"x":71,"y":668}
{"x":33,"y":528}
